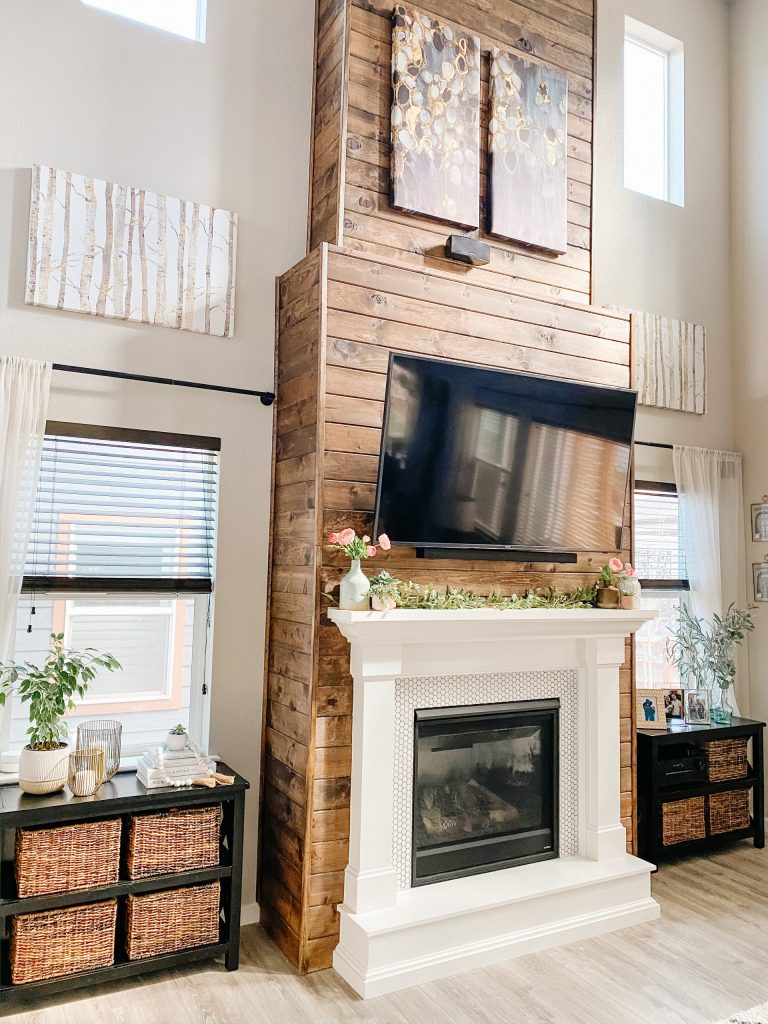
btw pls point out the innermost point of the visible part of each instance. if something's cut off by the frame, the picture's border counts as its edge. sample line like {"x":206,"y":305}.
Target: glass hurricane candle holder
{"x":104,"y":736}
{"x":86,"y":772}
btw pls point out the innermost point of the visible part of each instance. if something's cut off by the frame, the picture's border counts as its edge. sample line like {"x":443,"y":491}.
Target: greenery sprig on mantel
{"x":414,"y":595}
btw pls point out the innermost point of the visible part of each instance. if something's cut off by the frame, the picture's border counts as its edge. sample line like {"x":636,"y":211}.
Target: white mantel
{"x":393,"y":938}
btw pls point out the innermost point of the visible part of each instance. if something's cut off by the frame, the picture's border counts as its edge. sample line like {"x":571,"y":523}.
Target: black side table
{"x":122,"y":796}
{"x":672,"y":766}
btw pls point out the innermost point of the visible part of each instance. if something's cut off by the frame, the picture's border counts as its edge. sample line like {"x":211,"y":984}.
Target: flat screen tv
{"x":473,"y":458}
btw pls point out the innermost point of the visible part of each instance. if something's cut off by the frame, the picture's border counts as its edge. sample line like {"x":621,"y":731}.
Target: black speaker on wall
{"x":468,"y":250}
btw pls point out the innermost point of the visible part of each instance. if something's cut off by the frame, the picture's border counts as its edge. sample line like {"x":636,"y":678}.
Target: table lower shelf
{"x":120,"y":969}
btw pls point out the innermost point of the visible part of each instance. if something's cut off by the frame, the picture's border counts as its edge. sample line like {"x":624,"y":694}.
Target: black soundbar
{"x":498,"y":555}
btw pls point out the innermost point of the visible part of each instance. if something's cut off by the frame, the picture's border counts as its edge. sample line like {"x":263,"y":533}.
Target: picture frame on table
{"x":649,"y":709}
{"x":674,"y":705}
{"x":697,"y":707}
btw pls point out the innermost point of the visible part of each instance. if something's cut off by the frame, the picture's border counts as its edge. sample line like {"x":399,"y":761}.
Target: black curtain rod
{"x":267,"y":397}
{"x":653,"y":444}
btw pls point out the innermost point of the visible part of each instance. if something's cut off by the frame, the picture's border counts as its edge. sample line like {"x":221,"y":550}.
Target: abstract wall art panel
{"x":435,"y":118}
{"x":527,"y":136}
{"x":111,"y":250}
{"x":669,"y":363}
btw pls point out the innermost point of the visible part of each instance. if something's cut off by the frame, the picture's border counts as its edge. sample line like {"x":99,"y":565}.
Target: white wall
{"x":655,"y":256}
{"x":749,"y":147}
{"x":226,"y":123}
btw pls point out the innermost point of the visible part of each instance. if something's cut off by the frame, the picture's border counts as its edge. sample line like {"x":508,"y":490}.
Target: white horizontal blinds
{"x":659,"y":549}
{"x":117,"y":514}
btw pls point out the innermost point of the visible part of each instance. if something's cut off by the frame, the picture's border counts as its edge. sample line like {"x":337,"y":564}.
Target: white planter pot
{"x":353,"y":592}
{"x":383,"y":604}
{"x":175,"y":742}
{"x":43,"y":771}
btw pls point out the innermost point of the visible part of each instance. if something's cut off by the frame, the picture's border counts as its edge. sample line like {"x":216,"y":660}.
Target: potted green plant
{"x":50,"y":689}
{"x":384,"y":592}
{"x":177,"y":738}
{"x":704,"y":653}
{"x":608,"y":592}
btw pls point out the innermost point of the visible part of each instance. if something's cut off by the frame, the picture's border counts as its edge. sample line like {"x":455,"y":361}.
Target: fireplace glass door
{"x":485,"y":791}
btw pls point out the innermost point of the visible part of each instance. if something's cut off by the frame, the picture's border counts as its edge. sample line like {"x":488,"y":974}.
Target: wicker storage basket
{"x":173,"y":919}
{"x":58,"y":942}
{"x":683,"y":820}
{"x":727,"y":759}
{"x":67,"y":858}
{"x":728,"y":812}
{"x":163,"y":844}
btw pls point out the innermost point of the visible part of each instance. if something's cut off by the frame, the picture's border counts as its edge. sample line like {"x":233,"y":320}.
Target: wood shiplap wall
{"x":386,"y":286}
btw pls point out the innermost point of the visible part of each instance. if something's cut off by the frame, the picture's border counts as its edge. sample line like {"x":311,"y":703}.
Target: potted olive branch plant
{"x":50,"y":690}
{"x":704,"y":653}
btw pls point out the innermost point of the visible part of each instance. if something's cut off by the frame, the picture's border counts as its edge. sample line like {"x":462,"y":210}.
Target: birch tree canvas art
{"x":669,"y":363}
{"x":112,"y":250}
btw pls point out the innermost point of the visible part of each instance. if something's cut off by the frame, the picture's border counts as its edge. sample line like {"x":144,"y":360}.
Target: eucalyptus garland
{"x":414,"y":595}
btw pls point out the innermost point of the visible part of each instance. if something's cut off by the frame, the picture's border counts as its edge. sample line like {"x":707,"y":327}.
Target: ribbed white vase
{"x":353,"y":592}
{"x":43,"y":771}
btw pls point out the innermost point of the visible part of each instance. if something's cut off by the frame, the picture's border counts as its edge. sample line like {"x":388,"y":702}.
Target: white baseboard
{"x":250,"y":913}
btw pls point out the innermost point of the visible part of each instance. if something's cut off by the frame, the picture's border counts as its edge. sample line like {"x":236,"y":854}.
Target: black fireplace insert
{"x":485,"y":790}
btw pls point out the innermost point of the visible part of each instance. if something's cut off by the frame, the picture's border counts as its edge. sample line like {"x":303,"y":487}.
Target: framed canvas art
{"x":435,"y":118}
{"x":112,"y":250}
{"x":669,"y":363}
{"x":527,"y":138}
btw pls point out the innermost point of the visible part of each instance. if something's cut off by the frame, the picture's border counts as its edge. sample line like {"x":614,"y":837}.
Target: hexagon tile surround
{"x":421,"y":692}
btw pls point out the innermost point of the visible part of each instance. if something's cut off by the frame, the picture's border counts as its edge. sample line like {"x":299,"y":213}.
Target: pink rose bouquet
{"x":615,"y":571}
{"x":355,"y":547}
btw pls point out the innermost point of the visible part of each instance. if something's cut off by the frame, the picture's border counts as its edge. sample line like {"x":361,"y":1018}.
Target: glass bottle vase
{"x":722,"y":711}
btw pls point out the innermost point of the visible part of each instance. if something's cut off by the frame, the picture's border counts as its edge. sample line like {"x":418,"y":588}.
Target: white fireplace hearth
{"x":394,"y":934}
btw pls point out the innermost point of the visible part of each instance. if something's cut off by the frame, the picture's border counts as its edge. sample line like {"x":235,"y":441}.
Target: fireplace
{"x":485,"y":789}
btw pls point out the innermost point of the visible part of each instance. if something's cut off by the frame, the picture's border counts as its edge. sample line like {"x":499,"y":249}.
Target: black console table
{"x":121,"y":796}
{"x":672,"y":768}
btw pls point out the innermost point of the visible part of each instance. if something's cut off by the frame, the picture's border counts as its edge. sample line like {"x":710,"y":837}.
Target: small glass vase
{"x":354,"y":590}
{"x":721,"y":711}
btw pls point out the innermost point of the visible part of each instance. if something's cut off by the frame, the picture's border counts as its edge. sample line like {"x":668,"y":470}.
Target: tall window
{"x":121,"y":558}
{"x":660,"y":565}
{"x":654,"y":133}
{"x":181,"y":17}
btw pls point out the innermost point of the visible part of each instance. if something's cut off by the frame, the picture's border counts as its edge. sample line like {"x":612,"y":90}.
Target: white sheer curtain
{"x":24,"y":387}
{"x":712,"y":512}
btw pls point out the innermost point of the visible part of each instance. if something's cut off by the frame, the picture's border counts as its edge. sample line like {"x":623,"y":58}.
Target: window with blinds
{"x":121,"y":558}
{"x":659,"y":550}
{"x":122,"y":512}
{"x":660,"y":565}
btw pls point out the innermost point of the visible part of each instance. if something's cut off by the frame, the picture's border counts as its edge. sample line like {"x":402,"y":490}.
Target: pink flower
{"x":346,"y":536}
{"x":371,"y":551}
{"x":629,"y":571}
{"x":333,"y":538}
{"x":366,"y":540}
{"x":384,"y":542}
{"x":615,"y":564}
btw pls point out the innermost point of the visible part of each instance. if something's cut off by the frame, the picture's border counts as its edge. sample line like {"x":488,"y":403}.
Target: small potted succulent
{"x":50,"y":690}
{"x":354,"y":589}
{"x":177,"y":738}
{"x":384,"y":592}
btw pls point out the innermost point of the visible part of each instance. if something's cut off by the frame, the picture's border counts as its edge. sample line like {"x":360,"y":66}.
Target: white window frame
{"x":673,"y":53}
{"x":201,"y":13}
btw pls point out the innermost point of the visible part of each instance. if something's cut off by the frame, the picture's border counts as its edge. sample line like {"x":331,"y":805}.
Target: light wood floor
{"x":705,"y":959}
